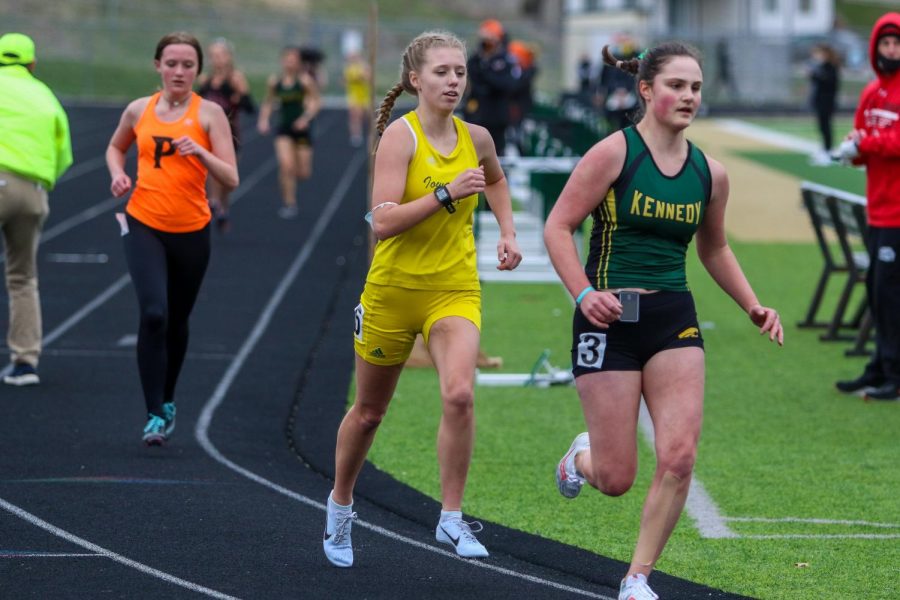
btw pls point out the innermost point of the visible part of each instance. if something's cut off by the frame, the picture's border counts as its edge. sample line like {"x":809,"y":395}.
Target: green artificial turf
{"x":778,"y":443}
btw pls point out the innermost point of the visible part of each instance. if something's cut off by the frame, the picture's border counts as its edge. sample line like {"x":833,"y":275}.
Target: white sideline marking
{"x":763,"y":134}
{"x":824,"y":536}
{"x":814,"y":521}
{"x":201,"y":431}
{"x":699,"y":505}
{"x":38,"y":522}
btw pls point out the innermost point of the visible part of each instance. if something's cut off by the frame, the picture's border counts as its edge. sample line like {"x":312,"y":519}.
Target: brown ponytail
{"x":629,"y":66}
{"x":647,"y":65}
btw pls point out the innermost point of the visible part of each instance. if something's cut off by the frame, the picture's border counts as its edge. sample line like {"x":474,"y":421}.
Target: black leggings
{"x":823,"y":120}
{"x":166,"y":270}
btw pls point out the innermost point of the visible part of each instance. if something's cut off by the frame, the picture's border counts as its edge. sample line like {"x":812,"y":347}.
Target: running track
{"x":232,"y":507}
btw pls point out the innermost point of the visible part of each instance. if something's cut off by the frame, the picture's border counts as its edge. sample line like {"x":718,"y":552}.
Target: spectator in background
{"x":522,"y":98}
{"x":616,"y":90}
{"x":493,"y":77}
{"x":824,"y":82}
{"x":226,"y":86}
{"x":584,"y":75}
{"x":35,"y":150}
{"x":875,"y":143}
{"x":725,"y":83}
{"x":356,"y":80}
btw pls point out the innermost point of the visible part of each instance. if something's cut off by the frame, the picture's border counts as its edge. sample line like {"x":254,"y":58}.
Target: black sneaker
{"x":22,"y":374}
{"x":863,"y":382}
{"x":888,"y":391}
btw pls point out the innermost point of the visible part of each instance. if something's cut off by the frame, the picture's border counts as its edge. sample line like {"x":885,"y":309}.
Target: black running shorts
{"x":667,"y":320}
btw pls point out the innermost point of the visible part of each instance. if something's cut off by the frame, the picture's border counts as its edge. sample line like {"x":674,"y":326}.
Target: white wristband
{"x":368,"y":216}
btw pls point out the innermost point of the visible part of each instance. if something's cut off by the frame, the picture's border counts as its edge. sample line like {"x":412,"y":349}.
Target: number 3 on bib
{"x":358,"y":321}
{"x":591,"y":348}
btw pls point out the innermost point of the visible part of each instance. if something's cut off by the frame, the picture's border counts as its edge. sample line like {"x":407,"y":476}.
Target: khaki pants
{"x":23,"y":210}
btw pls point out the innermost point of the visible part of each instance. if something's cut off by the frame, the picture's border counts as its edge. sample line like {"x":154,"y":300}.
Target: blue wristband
{"x":584,"y":293}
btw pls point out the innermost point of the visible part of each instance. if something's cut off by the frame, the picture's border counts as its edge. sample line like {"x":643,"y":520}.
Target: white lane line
{"x":700,"y":506}
{"x":38,"y":522}
{"x":56,"y":334}
{"x":79,"y":315}
{"x":48,"y":555}
{"x":201,"y":431}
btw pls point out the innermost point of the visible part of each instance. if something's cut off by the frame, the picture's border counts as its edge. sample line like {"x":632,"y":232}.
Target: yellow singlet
{"x":439,"y":252}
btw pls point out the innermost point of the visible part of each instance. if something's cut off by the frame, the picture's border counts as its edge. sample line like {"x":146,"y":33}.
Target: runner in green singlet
{"x":635,"y":329}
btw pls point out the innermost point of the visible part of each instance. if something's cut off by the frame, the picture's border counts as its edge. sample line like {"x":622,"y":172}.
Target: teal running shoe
{"x":154,"y":431}
{"x":169,"y":417}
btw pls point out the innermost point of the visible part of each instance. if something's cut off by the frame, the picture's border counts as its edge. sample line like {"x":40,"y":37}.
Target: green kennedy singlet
{"x":643,"y":226}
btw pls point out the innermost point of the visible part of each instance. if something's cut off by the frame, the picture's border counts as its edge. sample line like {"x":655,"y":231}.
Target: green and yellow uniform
{"x":645,"y":223}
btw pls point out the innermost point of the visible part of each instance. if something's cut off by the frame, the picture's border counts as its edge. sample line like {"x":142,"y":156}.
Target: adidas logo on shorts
{"x":377,"y":353}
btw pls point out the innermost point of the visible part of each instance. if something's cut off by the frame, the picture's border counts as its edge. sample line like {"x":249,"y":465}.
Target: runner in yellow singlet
{"x":429,"y":171}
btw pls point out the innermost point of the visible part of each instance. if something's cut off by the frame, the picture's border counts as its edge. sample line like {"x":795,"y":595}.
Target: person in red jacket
{"x":875,"y":143}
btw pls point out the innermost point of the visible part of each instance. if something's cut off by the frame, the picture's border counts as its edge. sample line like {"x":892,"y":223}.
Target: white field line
{"x":768,"y":136}
{"x":201,"y":431}
{"x":38,"y":522}
{"x":814,"y":521}
{"x":817,"y":536}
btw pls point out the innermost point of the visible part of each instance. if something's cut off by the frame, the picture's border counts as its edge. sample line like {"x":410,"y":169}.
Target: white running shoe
{"x":459,"y":534}
{"x":568,"y":479}
{"x":634,"y":587}
{"x":336,"y":542}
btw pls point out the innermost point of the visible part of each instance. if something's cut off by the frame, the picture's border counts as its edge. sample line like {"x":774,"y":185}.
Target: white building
{"x":756,"y":33}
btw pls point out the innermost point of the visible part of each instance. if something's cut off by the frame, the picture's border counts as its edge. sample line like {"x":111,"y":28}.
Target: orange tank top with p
{"x":170,"y":194}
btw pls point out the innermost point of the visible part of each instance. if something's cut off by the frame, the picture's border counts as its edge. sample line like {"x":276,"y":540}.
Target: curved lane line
{"x":101,"y":551}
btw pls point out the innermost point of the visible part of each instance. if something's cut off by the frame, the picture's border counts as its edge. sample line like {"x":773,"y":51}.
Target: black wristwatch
{"x":443,"y":196}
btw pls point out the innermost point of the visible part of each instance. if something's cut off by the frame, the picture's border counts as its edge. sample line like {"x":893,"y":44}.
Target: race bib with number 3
{"x":591,"y":348}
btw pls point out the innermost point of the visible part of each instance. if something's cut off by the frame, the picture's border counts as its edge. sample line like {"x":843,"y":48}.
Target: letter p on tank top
{"x":170,"y":194}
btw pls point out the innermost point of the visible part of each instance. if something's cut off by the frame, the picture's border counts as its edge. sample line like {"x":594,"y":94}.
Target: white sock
{"x":339,"y":507}
{"x":451,"y":514}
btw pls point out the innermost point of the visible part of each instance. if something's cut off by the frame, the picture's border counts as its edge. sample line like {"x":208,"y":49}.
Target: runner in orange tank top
{"x":180,"y":138}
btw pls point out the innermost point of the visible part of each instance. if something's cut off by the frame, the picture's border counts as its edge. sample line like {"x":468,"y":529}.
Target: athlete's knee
{"x":678,"y":460}
{"x":458,"y":399}
{"x":153,"y":318}
{"x":368,"y":418}
{"x":613,"y":481}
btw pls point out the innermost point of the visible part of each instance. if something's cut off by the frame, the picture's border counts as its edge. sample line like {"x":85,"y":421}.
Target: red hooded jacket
{"x":878,"y":114}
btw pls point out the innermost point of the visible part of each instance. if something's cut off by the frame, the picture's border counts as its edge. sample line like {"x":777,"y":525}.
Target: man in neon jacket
{"x":35,"y":149}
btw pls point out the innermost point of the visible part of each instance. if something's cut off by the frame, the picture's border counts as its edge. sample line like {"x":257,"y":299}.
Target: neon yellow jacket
{"x":35,"y":140}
